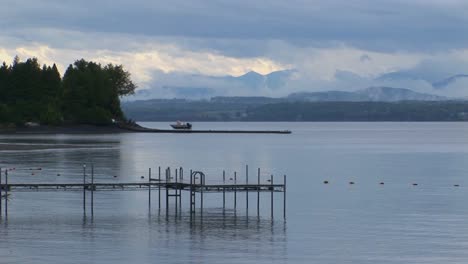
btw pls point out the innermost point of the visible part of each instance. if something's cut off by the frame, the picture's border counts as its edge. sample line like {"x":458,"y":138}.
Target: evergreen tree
{"x":92,"y":92}
{"x":88,"y":93}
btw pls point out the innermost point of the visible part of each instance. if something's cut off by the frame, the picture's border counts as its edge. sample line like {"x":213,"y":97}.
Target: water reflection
{"x":333,"y":223}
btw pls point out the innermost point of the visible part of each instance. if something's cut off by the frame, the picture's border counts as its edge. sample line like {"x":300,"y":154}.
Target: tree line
{"x":88,"y":93}
{"x":361,"y":111}
{"x":228,"y":110}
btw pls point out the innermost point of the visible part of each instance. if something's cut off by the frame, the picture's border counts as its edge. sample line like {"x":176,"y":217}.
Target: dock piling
{"x":168,"y":171}
{"x":202,"y":183}
{"x":247,"y":189}
{"x":224,"y":190}
{"x":272,"y":189}
{"x":176,"y":189}
{"x":192,"y":194}
{"x":149,"y":190}
{"x":92,"y":190}
{"x":1,"y":187}
{"x":180,"y":192}
{"x":235,"y":192}
{"x":84,"y":189}
{"x":284,"y":197}
{"x":6,"y":193}
{"x":159,"y":188}
{"x":258,"y":193}
{"x":181,"y":178}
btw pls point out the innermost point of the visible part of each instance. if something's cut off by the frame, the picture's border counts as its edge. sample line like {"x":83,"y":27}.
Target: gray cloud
{"x":333,"y":44}
{"x":376,"y":25}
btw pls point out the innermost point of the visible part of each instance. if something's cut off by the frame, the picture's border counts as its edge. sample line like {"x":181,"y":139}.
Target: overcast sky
{"x":152,"y":38}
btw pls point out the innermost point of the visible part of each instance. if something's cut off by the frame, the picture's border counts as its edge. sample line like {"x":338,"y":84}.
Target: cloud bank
{"x":339,"y":45}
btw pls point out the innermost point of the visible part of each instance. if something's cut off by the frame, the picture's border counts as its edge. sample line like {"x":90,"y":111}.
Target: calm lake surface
{"x":335,"y":223}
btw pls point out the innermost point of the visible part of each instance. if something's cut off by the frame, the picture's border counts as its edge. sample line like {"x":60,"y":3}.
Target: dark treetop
{"x":88,"y":93}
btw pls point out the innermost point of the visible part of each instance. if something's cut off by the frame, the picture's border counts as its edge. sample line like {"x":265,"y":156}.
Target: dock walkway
{"x":168,"y":186}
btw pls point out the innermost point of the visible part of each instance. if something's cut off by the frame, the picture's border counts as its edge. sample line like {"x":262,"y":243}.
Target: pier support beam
{"x":92,"y":190}
{"x":224,"y":190}
{"x":181,"y":179}
{"x":247,"y":190}
{"x":258,"y":193}
{"x":168,"y":177}
{"x":6,"y":193}
{"x":84,"y":189}
{"x":176,"y":189}
{"x":192,"y":196}
{"x":284,"y":197}
{"x":1,"y":191}
{"x":272,"y":190}
{"x":235,"y":192}
{"x":202,"y":183}
{"x":149,"y":190}
{"x":159,"y":188}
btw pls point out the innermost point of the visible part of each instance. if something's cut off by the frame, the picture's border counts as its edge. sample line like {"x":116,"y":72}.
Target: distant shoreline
{"x":242,"y":110}
{"x":73,"y":129}
{"x":117,"y":129}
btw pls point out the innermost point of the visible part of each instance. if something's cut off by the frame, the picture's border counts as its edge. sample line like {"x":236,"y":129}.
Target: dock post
{"x":181,"y":173}
{"x":272,"y":189}
{"x":6,"y":193}
{"x":247,"y":189}
{"x":258,"y":193}
{"x":168,"y":172}
{"x":176,"y":188}
{"x":202,"y":183}
{"x":1,"y":191}
{"x":224,"y":190}
{"x":149,"y":190}
{"x":284,"y":197}
{"x":235,"y":191}
{"x":191,"y":195}
{"x":159,"y":188}
{"x":92,"y":189}
{"x":84,"y":189}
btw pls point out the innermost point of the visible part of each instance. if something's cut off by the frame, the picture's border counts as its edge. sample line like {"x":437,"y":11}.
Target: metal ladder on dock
{"x":193,"y":183}
{"x":177,"y":187}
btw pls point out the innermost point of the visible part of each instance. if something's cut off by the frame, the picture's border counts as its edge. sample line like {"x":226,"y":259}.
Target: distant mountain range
{"x":436,"y":83}
{"x":446,"y":82}
{"x":253,"y":83}
{"x":371,"y":94}
{"x":370,"y":104}
{"x":255,"y":80}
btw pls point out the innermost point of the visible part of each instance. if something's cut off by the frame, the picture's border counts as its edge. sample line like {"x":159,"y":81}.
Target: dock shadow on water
{"x":147,"y":238}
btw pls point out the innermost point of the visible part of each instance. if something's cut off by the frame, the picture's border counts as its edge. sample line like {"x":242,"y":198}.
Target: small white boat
{"x":181,"y":125}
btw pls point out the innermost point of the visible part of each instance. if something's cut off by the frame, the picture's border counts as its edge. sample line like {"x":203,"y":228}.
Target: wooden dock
{"x":137,"y":128}
{"x":211,"y":131}
{"x":171,"y":185}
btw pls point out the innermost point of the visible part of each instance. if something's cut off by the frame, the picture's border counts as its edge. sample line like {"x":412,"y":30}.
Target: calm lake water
{"x":335,"y":223}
